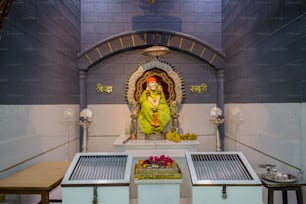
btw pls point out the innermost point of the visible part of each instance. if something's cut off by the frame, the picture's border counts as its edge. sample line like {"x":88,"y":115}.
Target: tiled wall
{"x":102,"y":19}
{"x":38,"y":53}
{"x":264,"y":44}
{"x":32,"y":133}
{"x":39,"y":83}
{"x":268,"y":133}
{"x":264,"y":82}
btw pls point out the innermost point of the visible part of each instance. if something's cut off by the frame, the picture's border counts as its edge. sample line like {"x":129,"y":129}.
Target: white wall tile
{"x":30,"y":131}
{"x":268,"y":134}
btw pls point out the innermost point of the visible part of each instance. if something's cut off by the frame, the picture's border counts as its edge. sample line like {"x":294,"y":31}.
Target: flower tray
{"x":157,"y":173}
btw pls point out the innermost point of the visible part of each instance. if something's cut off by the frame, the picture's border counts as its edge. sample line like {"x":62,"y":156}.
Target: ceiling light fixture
{"x":156,"y":51}
{"x":151,"y":1}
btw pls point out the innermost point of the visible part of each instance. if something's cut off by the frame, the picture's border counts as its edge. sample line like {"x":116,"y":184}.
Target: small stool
{"x":284,"y":187}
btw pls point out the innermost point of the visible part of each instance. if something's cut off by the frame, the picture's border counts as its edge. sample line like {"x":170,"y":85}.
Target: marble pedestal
{"x":145,"y":148}
{"x":161,"y":191}
{"x":142,"y":149}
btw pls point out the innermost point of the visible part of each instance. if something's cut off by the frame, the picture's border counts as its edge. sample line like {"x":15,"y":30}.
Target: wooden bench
{"x":40,"y":178}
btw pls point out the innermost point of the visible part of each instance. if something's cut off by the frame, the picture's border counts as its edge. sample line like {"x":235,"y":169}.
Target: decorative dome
{"x":215,"y":112}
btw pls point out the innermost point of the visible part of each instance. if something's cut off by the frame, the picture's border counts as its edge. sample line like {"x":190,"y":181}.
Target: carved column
{"x":220,"y":101}
{"x":83,"y":99}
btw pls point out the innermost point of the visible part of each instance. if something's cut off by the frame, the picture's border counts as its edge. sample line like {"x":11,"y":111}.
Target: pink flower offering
{"x":158,"y":162}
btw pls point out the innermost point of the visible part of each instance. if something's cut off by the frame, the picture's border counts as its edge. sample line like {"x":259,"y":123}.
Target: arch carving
{"x":166,"y":76}
{"x":142,"y":39}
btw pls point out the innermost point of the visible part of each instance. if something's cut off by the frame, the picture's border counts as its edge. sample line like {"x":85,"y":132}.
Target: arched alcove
{"x":135,"y":40}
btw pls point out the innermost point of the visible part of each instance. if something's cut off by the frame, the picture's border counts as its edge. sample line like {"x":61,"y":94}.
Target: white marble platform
{"x":144,"y":148}
{"x":161,"y":191}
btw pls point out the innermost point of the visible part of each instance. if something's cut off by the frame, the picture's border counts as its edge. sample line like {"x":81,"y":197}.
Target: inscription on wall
{"x":199,"y":89}
{"x":103,"y":89}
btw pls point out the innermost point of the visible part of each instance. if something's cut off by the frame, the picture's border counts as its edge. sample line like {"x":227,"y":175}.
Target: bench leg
{"x":285,"y":197}
{"x":299,"y":196}
{"x":45,"y":198}
{"x":270,"y":196}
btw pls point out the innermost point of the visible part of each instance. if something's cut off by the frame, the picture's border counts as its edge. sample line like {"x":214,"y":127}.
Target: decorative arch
{"x":141,"y":39}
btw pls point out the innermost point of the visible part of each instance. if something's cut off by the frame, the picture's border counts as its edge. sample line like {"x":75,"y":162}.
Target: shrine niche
{"x":172,"y":86}
{"x":138,"y":41}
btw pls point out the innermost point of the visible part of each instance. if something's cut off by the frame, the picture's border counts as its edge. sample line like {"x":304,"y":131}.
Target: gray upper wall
{"x":265,"y":47}
{"x":102,"y":19}
{"x":263,"y":41}
{"x":38,"y":53}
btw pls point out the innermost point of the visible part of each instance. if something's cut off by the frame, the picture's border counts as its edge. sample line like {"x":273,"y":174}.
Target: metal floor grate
{"x":100,"y":167}
{"x":220,"y":167}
